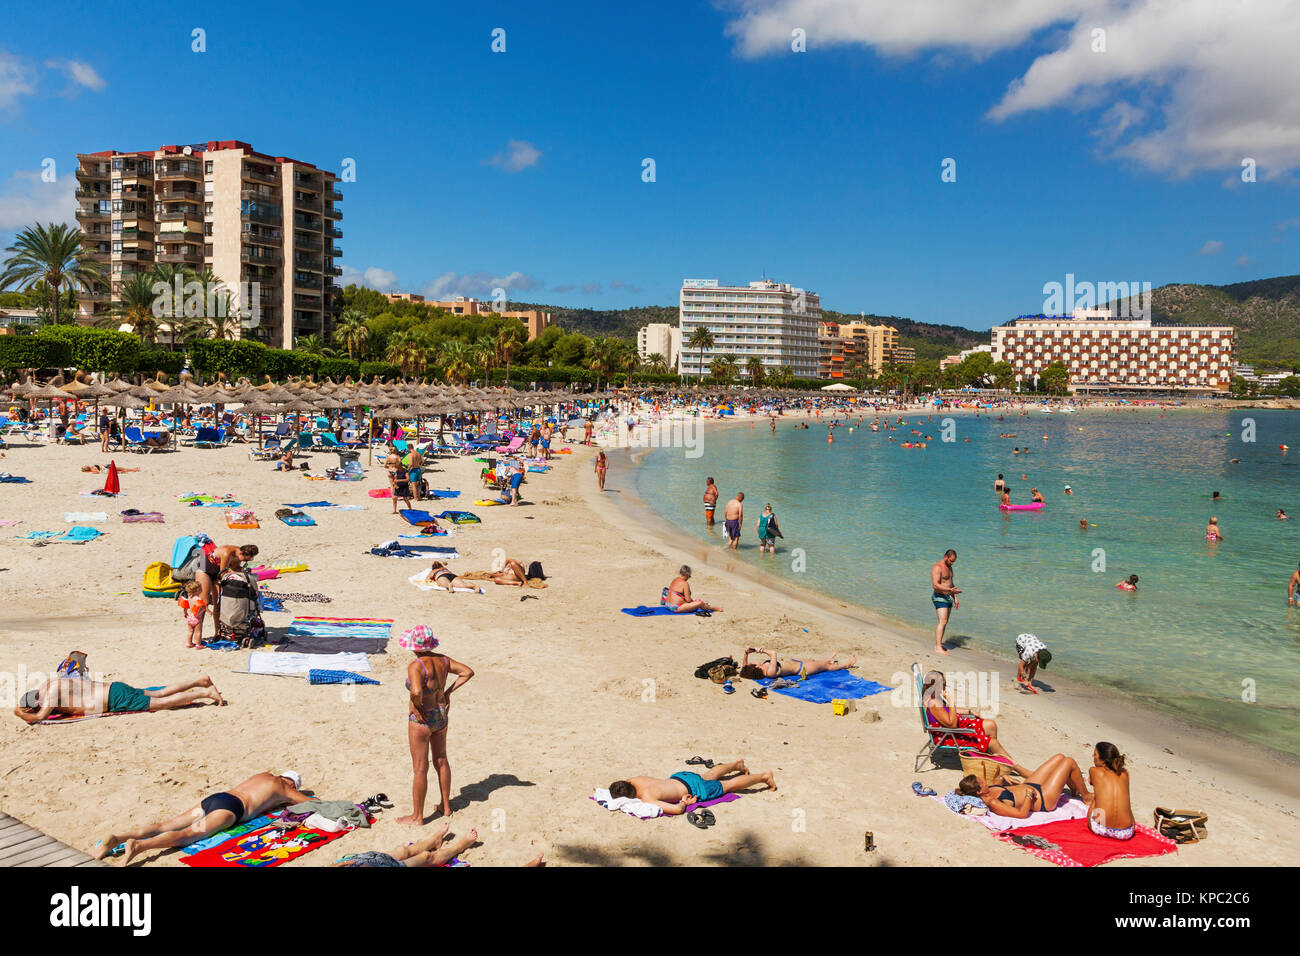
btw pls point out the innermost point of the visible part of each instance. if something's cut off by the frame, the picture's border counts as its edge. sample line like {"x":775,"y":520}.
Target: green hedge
{"x":33,"y":351}
{"x":338,"y":369}
{"x":282,"y":363}
{"x":234,"y":357}
{"x":385,"y":371}
{"x":153,"y":361}
{"x":97,"y":350}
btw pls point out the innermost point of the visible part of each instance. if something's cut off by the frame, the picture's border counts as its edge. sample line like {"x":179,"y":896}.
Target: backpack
{"x":187,"y":558}
{"x":535,"y":571}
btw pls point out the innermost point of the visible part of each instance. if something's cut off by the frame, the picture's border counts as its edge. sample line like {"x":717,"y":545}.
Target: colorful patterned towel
{"x":1079,"y":846}
{"x":264,"y":847}
{"x":311,"y":626}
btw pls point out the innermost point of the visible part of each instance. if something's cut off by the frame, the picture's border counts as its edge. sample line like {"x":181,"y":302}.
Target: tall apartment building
{"x":773,"y":321}
{"x":266,"y":226}
{"x":659,"y":338}
{"x":1106,"y":353}
{"x":847,"y":345}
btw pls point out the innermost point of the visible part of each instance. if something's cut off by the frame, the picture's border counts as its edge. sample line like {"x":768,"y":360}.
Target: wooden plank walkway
{"x":21,"y":845}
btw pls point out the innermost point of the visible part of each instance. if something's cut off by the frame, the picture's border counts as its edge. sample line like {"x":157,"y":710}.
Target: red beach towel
{"x":264,"y":847}
{"x":1081,"y":847}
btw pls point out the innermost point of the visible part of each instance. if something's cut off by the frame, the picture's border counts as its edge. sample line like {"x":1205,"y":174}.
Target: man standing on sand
{"x":220,"y":811}
{"x":74,"y":697}
{"x":681,"y":790}
{"x":710,"y":502}
{"x":732,"y":517}
{"x":944,"y":597}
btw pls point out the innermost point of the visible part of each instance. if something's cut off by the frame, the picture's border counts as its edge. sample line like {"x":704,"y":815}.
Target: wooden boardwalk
{"x":20,"y":845}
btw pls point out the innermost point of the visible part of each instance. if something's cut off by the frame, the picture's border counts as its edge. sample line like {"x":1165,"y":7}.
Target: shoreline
{"x":1141,"y":718}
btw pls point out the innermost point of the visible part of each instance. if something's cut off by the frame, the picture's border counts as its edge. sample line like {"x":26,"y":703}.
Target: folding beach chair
{"x":133,"y":440}
{"x":939,"y":740}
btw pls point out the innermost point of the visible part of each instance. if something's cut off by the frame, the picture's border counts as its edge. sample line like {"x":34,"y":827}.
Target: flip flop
{"x":922,"y":791}
{"x":696,"y":820}
{"x":700,"y":762}
{"x":759,"y":692}
{"x":706,"y":815}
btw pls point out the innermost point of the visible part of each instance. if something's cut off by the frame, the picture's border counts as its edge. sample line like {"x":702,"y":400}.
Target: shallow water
{"x":1210,"y":624}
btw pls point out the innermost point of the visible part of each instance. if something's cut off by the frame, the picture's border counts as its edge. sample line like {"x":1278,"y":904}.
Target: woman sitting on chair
{"x":1041,"y":789}
{"x":941,"y":712}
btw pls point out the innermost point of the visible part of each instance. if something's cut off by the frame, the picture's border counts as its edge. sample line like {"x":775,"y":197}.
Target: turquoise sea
{"x":1209,"y":625}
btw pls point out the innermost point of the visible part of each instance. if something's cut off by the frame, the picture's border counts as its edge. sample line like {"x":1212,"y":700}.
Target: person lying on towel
{"x":791,"y":666}
{"x":92,"y":698}
{"x":681,"y":790}
{"x":443,"y":577}
{"x":255,"y":796}
{"x":679,"y":594}
{"x":1041,"y":790}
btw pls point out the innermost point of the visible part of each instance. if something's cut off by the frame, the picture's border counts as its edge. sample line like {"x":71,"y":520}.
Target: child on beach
{"x":192,"y":609}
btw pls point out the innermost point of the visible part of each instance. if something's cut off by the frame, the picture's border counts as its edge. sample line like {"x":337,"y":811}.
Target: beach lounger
{"x":133,"y":440}
{"x":207,"y":437}
{"x":939,"y":740}
{"x":515,"y":444}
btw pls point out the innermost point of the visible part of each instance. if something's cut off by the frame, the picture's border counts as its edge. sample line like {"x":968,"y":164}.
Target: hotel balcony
{"x":261,"y":239}
{"x":135,"y":172}
{"x":137,"y":255}
{"x":259,"y":255}
{"x":182,"y":214}
{"x":308,"y":204}
{"x":260,"y":194}
{"x":137,"y":192}
{"x":333,"y":232}
{"x":93,"y":172}
{"x":334,"y":194}
{"x":87,"y":193}
{"x":266,"y":214}
{"x":308,"y":223}
{"x":334,"y":252}
{"x":172,"y":193}
{"x":305,"y":240}
{"x":309,"y":302}
{"x":333,"y":270}
{"x":310,"y":181}
{"x":302,"y":260}
{"x":333,"y":213}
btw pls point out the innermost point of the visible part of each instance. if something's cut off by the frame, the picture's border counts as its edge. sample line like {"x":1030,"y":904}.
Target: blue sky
{"x":822,"y":168}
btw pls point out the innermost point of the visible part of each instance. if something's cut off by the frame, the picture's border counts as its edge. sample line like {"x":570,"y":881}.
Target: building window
{"x":207,"y":168}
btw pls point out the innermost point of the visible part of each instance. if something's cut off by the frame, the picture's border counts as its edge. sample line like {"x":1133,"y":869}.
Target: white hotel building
{"x":1105,"y":353}
{"x":773,"y":321}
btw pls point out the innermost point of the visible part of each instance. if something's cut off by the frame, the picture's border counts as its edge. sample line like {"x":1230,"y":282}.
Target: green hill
{"x":1266,"y":313}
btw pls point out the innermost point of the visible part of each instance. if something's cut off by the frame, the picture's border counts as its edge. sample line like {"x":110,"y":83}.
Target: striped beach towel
{"x":311,"y":626}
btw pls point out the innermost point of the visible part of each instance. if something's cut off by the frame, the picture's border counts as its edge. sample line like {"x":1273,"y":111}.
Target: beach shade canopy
{"x":124,"y":400}
{"x":838,"y":387}
{"x":46,"y":393}
{"x":111,"y":484}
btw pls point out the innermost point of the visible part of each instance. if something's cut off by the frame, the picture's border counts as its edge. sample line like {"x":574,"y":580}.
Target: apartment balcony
{"x":309,"y":204}
{"x":182,"y":214}
{"x":333,"y":232}
{"x":135,"y":172}
{"x":334,"y":252}
{"x":137,"y":255}
{"x":182,"y":256}
{"x":270,"y":214}
{"x":258,"y":255}
{"x":307,"y":223}
{"x":189,"y":171}
{"x":92,"y":212}
{"x":303,"y":261}
{"x":310,"y":181}
{"x":261,"y":176}
{"x":172,"y":193}
{"x":262,"y":238}
{"x":93,"y":194}
{"x":310,"y":302}
{"x":92,"y":173}
{"x":333,"y":271}
{"x":306,"y":282}
{"x":266,"y":276}
{"x":334,"y":194}
{"x":137,"y":192}
{"x":260,"y":194}
{"x":332,"y":213}
{"x":302,"y":240}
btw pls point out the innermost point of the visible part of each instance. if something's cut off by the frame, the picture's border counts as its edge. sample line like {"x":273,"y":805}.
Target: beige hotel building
{"x":221,"y":205}
{"x":1107,"y":353}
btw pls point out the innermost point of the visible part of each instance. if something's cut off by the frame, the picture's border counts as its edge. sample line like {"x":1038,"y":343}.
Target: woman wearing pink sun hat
{"x":426,"y":724}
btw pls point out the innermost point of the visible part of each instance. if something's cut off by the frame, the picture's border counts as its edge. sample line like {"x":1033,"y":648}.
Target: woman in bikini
{"x":512,"y":575}
{"x":792,"y":667}
{"x":426,"y":723}
{"x":1110,"y":814}
{"x":446,"y":579}
{"x":679,"y":594}
{"x":602,"y":464}
{"x":942,"y":712}
{"x":1041,"y":790}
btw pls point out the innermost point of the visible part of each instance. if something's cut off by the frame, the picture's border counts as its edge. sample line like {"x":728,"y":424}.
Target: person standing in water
{"x":999,"y":484}
{"x":710,"y":502}
{"x":1212,"y":532}
{"x":944,"y":596}
{"x":1293,"y":588}
{"x":732,"y":516}
{"x":602,"y":465}
{"x":768,"y":531}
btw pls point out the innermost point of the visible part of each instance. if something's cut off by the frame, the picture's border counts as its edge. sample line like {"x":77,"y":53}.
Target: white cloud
{"x":1225,"y":76}
{"x":1212,"y":247}
{"x":624,"y":286}
{"x":478,"y":284}
{"x":372,"y":277}
{"x":16,"y":79}
{"x":1243,"y":261}
{"x":26,"y":199}
{"x":80,"y":73}
{"x":518,"y":155}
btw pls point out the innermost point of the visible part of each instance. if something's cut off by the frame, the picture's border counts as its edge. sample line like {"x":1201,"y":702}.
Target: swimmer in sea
{"x":1083,"y":524}
{"x":1293,"y":588}
{"x":1212,"y":532}
{"x":1215,"y":497}
{"x":1131,"y":584}
{"x":1038,"y":496}
{"x":1069,"y":490}
{"x":999,"y":485}
{"x":1006,"y":498}
{"x":1281,"y":515}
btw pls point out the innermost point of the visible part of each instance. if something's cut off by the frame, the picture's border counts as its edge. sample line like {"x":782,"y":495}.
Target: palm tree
{"x":754,"y":366}
{"x":656,"y":362}
{"x":134,"y":308}
{"x":485,"y":348}
{"x":720,"y":370}
{"x":604,"y":358}
{"x":457,"y":359}
{"x":313,"y":345}
{"x":701,"y":339}
{"x":507,"y":344}
{"x":352,"y":332}
{"x":50,"y":254}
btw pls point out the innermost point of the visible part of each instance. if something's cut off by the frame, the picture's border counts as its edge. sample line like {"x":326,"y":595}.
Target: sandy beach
{"x":569,"y":694}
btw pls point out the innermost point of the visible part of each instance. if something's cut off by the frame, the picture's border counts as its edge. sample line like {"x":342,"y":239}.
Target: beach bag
{"x":74,"y":665}
{"x":987,"y":768}
{"x":158,"y":581}
{"x":1181,"y":826}
{"x":535,"y":571}
{"x":721,"y":673}
{"x":702,"y":672}
{"x":187,"y":558}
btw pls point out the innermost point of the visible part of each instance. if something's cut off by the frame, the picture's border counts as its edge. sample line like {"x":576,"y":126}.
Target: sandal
{"x":706,"y":816}
{"x":696,"y":820}
{"x":700,"y":762}
{"x":759,"y":692}
{"x":922,"y":791}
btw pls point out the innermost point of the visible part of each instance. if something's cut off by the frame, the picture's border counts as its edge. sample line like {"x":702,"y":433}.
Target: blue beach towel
{"x":7,"y":478}
{"x":658,"y":610}
{"x":272,"y":604}
{"x":319,"y":675}
{"x":443,"y":493}
{"x":311,"y":504}
{"x":828,"y":686}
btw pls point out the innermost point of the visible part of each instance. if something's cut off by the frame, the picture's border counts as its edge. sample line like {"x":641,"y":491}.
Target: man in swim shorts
{"x":710,"y":502}
{"x":685,"y":789}
{"x":73,"y":697}
{"x":732,"y":516}
{"x":944,"y":596}
{"x":219,"y":811}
